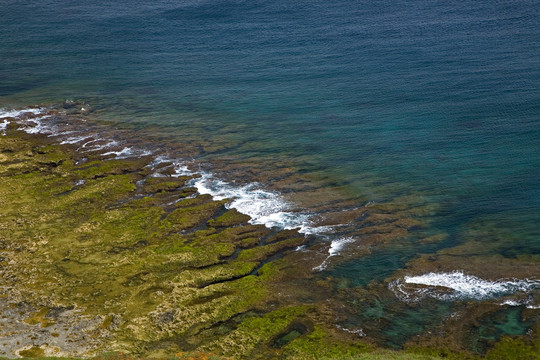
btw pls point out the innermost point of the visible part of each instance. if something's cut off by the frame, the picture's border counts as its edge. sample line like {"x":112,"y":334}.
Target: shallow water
{"x":429,"y":106}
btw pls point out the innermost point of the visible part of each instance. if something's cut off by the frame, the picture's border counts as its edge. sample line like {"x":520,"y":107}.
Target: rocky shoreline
{"x":104,"y":253}
{"x":99,"y":255}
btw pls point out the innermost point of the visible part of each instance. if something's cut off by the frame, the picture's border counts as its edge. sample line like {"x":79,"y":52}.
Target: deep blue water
{"x":384,"y":98}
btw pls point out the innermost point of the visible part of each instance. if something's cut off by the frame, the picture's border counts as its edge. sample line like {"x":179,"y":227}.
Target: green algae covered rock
{"x":98,"y":255}
{"x":229,"y":218}
{"x":89,"y":265}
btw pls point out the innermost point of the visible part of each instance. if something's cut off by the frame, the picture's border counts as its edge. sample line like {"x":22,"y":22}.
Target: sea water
{"x":356,"y":102}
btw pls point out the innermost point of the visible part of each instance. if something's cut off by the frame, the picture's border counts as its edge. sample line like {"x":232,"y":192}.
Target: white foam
{"x":97,"y":147}
{"x":458,"y":285}
{"x":314,"y":230}
{"x":264,"y":207}
{"x":128,"y":152}
{"x":335,"y":248}
{"x":338,"y":245}
{"x":528,"y":303}
{"x":17,"y":113}
{"x":36,"y":126}
{"x":93,"y":140}
{"x":3,"y":127}
{"x":75,"y":139}
{"x":358,"y":332}
{"x":513,"y":303}
{"x":31,"y":126}
{"x":63,"y":133}
{"x":160,"y":159}
{"x":181,"y":170}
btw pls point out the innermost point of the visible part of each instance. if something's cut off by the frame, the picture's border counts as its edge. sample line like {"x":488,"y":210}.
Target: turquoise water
{"x":369,"y":101}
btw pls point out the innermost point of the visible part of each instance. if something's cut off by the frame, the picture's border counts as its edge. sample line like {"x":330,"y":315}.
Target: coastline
{"x":101,"y":254}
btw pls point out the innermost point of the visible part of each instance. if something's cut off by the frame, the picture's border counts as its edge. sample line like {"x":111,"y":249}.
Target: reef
{"x":100,"y":256}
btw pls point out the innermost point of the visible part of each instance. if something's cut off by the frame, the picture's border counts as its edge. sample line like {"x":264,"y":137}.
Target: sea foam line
{"x":458,"y":285}
{"x":265,"y":207}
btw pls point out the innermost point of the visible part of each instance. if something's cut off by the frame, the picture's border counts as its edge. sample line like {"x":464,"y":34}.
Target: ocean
{"x":390,"y":132}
